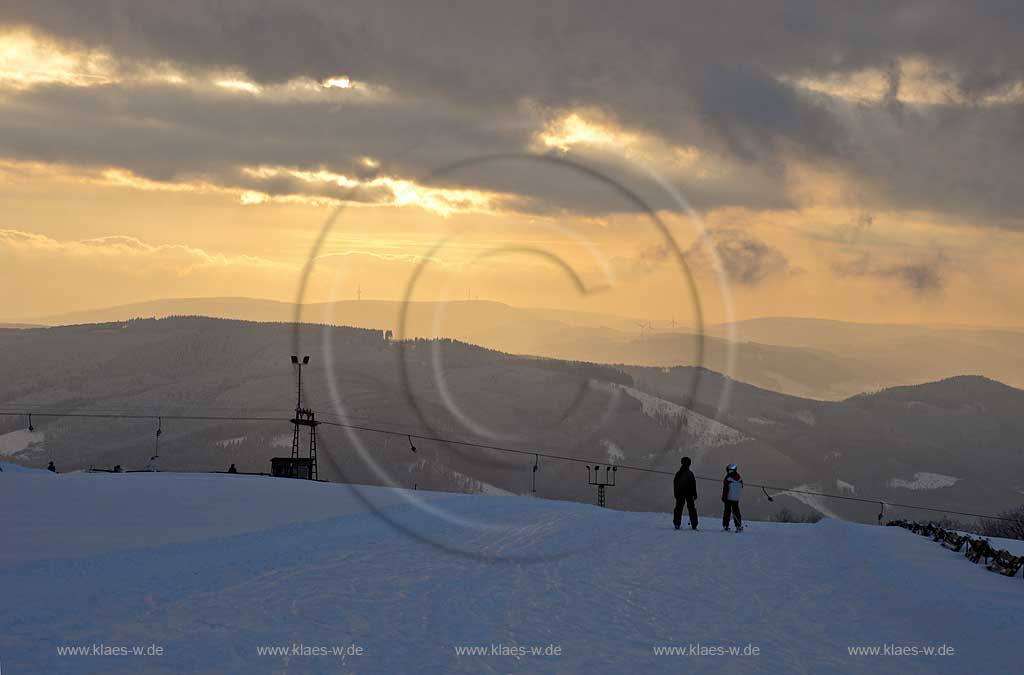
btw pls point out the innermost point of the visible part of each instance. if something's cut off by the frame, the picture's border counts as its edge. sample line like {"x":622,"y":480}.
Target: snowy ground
{"x":212,"y":569}
{"x":20,"y":440}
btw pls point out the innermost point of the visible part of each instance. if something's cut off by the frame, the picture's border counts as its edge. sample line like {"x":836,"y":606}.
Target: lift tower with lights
{"x":304,"y":417}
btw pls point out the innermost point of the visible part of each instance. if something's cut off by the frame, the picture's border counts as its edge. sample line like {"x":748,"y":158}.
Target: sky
{"x":855,"y":161}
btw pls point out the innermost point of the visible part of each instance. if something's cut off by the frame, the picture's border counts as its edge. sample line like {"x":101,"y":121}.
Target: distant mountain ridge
{"x":812,"y":358}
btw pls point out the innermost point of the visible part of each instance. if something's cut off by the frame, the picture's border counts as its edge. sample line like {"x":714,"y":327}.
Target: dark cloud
{"x":745,"y":259}
{"x":922,"y":277}
{"x":853,"y":231}
{"x":712,"y":75}
{"x":758,"y":117}
{"x":168,"y":133}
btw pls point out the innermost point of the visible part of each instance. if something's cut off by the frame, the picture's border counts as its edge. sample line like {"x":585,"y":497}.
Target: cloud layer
{"x":751,"y":88}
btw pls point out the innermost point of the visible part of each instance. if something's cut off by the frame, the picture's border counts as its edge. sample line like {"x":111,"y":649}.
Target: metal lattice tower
{"x":313,"y":475}
{"x":304,"y":417}
{"x":607,"y":481}
{"x":295,"y":436}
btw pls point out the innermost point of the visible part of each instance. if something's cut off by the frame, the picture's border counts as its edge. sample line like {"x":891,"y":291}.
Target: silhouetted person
{"x":51,"y":467}
{"x":232,"y":469}
{"x":732,"y":489}
{"x":684,"y":485}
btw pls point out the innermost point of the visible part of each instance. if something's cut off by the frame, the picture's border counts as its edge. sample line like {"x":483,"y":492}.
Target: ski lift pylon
{"x":536,"y":463}
{"x":159,"y":430}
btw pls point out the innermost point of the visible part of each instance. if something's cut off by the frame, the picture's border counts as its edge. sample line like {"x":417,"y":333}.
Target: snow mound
{"x":9,"y":467}
{"x":244,"y":574}
{"x":20,"y":440}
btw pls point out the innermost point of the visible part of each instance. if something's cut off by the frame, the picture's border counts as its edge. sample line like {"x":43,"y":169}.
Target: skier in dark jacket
{"x":732,"y":488}
{"x":685,"y":487}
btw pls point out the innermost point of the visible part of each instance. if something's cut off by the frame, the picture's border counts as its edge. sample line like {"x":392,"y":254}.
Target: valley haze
{"x":813,"y":358}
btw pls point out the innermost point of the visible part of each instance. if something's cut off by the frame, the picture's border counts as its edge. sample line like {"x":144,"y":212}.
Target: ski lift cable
{"x":497,"y":448}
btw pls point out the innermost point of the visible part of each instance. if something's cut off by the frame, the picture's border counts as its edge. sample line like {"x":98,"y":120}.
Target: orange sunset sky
{"x":834,"y":165}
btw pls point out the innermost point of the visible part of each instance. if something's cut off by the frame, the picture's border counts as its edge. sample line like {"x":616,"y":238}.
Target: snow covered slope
{"x":703,"y":431}
{"x":215,"y":569}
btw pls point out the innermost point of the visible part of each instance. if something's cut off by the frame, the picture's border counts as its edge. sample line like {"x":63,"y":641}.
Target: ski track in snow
{"x":761,"y":420}
{"x":925,"y":480}
{"x":815,"y":502}
{"x":807,"y":417}
{"x":229,"y":442}
{"x":472,"y":485}
{"x":848,"y":488}
{"x":703,"y":430}
{"x":315,"y":567}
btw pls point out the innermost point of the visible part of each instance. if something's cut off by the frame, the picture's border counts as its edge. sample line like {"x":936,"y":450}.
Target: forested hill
{"x":931,"y":444}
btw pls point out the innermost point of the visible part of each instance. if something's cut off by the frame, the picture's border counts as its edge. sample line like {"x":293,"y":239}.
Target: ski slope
{"x":214,"y":569}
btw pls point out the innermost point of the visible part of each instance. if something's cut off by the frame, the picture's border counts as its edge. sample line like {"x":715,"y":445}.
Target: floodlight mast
{"x":303,"y":362}
{"x":304,"y":417}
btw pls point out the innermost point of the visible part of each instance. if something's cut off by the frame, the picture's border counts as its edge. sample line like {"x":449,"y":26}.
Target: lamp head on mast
{"x":304,"y":362}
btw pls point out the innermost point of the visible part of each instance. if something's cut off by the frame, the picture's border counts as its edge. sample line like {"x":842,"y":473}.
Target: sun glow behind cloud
{"x":298,"y":88}
{"x":587,"y":130}
{"x":442,"y":201}
{"x":340,"y":82}
{"x":318,"y":187}
{"x":239,"y":85}
{"x":574,"y":129}
{"x":28,"y":60}
{"x":911,"y":80}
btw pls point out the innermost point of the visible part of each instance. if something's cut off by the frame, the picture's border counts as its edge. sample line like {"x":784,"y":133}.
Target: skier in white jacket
{"x":732,"y":489}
